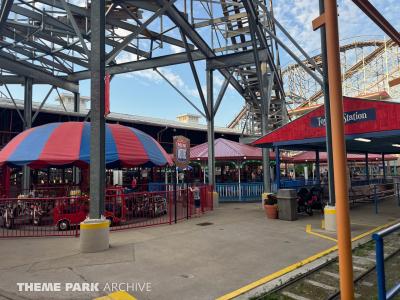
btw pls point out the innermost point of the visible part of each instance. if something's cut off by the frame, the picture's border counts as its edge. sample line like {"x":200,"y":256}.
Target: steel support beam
{"x":268,"y":80}
{"x":179,"y":19}
{"x":26,"y":172}
{"x":22,"y":69}
{"x":325,"y":88}
{"x":5,"y":10}
{"x":221,"y":95}
{"x":367,"y":167}
{"x":97,"y":129}
{"x":378,"y":19}
{"x":195,"y":75}
{"x":277,"y":168}
{"x":210,"y":129}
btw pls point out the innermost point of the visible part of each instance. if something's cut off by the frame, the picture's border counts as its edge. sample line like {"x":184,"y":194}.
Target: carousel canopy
{"x":228,"y":150}
{"x":310,"y":156}
{"x":63,"y":144}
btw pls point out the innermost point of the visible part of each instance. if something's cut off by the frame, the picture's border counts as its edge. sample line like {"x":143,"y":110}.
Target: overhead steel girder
{"x":13,"y":79}
{"x":235,"y":59}
{"x":5,"y":10}
{"x":218,"y":62}
{"x":114,"y":22}
{"x":22,"y":69}
{"x":378,"y":19}
{"x":41,"y":18}
{"x":192,"y":34}
{"x":156,"y":62}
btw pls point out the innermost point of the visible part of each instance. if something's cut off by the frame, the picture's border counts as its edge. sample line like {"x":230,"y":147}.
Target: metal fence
{"x":60,"y":216}
{"x":233,"y":192}
{"x":383,"y":294}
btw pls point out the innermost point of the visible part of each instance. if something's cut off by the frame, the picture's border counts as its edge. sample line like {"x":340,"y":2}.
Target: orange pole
{"x":339,"y":152}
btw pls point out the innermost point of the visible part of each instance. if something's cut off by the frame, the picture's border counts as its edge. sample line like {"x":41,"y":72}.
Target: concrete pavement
{"x":236,"y":245}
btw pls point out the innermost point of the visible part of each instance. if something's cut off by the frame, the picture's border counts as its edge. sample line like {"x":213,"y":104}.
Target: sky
{"x":146,"y":93}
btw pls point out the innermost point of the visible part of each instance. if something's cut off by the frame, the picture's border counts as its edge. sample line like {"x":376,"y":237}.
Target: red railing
{"x":61,"y":216}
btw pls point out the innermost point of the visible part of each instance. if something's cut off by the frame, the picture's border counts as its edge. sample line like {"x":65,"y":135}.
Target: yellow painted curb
{"x":295,"y":266}
{"x":85,"y":226}
{"x":309,"y":231}
{"x":330,"y":211}
{"x":120,"y":295}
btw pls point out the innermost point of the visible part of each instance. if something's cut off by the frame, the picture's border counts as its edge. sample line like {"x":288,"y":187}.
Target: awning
{"x":310,"y":156}
{"x":229,"y":150}
{"x":68,"y":144}
{"x":370,"y":126}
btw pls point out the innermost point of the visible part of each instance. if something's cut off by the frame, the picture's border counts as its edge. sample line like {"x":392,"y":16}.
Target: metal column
{"x":339,"y":151}
{"x":384,"y":167}
{"x":329,"y":152}
{"x":28,"y":86}
{"x":367,"y":167}
{"x":210,"y":129}
{"x":317,"y":165}
{"x":97,"y":130}
{"x":277,"y":168}
{"x":75,"y":170}
{"x":267,"y":80}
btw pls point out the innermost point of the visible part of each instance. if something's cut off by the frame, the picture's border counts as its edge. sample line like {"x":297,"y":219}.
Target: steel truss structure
{"x":62,"y":42}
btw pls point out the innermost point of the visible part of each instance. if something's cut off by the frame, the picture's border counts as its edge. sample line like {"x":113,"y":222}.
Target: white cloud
{"x":176,"y":49}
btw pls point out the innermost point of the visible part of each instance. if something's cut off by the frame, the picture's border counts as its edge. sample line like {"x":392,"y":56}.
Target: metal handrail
{"x":380,"y":264}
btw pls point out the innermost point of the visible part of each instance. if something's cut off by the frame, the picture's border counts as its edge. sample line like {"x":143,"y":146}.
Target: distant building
{"x":68,"y":101}
{"x":189,"y":118}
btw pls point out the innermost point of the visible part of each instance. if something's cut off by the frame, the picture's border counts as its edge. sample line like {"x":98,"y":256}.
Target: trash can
{"x":287,"y":204}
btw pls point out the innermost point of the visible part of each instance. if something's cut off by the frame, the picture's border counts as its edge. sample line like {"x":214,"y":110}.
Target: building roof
{"x":134,"y":119}
{"x":228,"y":150}
{"x":310,"y":156}
{"x":370,"y":126}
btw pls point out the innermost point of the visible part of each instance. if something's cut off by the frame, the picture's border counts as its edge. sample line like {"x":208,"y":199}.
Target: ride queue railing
{"x":380,"y":264}
{"x":233,"y":192}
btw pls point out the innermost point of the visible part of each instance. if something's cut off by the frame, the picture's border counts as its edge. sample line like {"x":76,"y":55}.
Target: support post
{"x":210,"y":130}
{"x":210,"y":136}
{"x":75,"y":170}
{"x":267,"y":82}
{"x":384,"y":167}
{"x":97,"y":129}
{"x":339,"y":151}
{"x":277,"y":169}
{"x":6,"y":180}
{"x":367,"y":167}
{"x":317,"y":165}
{"x":329,"y":151}
{"x":26,"y":171}
{"x":94,"y":232}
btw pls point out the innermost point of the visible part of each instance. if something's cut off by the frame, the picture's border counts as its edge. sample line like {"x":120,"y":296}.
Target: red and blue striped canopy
{"x":68,"y":143}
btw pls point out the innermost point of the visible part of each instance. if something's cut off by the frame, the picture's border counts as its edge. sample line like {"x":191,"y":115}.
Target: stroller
{"x":308,"y":200}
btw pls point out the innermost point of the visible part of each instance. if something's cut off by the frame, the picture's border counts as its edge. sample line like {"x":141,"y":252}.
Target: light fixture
{"x":362,"y":140}
{"x":396,"y":145}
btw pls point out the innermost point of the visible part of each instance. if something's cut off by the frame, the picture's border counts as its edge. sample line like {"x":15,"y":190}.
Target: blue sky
{"x":145,"y":93}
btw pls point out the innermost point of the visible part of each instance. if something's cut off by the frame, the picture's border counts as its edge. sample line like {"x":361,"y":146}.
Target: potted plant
{"x":271,"y":206}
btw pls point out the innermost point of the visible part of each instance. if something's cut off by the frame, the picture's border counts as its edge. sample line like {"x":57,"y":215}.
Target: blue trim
{"x":32,"y":146}
{"x":150,"y":147}
{"x":84,"y":153}
{"x":111,"y":150}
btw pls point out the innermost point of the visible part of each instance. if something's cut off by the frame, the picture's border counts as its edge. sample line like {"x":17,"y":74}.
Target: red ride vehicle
{"x":70,"y":212}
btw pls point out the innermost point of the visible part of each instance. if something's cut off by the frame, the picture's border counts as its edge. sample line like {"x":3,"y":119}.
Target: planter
{"x":271,"y":211}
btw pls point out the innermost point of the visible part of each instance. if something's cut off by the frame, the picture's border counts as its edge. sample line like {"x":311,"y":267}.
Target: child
{"x":196,"y":197}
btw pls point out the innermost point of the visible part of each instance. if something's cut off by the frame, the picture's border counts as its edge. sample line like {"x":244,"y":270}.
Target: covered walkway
{"x":370,"y":127}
